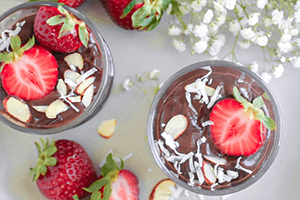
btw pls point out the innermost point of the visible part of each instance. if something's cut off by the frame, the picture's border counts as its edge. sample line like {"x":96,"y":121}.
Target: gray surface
{"x":138,"y":53}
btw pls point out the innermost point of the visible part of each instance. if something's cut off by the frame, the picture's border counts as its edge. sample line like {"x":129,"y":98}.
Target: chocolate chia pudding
{"x":95,"y":72}
{"x":191,"y":158}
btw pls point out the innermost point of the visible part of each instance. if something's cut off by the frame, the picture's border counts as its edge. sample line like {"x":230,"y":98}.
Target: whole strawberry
{"x":115,"y":183}
{"x":63,"y":169}
{"x":58,"y":30}
{"x":71,"y":3}
{"x":135,"y":14}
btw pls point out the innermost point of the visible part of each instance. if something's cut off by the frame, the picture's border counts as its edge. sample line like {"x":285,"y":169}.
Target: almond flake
{"x":61,"y":86}
{"x":88,"y":96}
{"x":107,"y":128}
{"x":55,"y":108}
{"x":74,"y":59}
{"x":17,"y":108}
{"x":40,"y":108}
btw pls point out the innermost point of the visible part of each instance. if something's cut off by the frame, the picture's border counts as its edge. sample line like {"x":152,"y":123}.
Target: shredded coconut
{"x":7,"y":34}
{"x":238,"y":166}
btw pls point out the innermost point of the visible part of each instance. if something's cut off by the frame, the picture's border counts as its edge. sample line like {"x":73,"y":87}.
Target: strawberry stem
{"x":253,"y":110}
{"x":44,"y":158}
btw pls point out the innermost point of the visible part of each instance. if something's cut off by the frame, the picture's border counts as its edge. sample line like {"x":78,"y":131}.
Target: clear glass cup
{"x":263,"y":158}
{"x":10,"y":17}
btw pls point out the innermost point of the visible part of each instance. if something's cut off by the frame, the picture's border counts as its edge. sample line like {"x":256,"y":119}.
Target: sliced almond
{"x":161,"y":190}
{"x":17,"y":108}
{"x":71,"y":75}
{"x":61,"y":87}
{"x":84,"y":85}
{"x":55,"y":108}
{"x":107,"y":128}
{"x":176,"y":126}
{"x":88,"y":96}
{"x":75,"y":59}
{"x":215,"y":159}
{"x":208,"y":172}
{"x":40,"y":108}
{"x":209,"y":90}
{"x":74,"y":99}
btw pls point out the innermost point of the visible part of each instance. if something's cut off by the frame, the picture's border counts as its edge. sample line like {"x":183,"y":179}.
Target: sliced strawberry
{"x":125,"y":187}
{"x":115,"y":183}
{"x":58,"y":30}
{"x":71,"y":3}
{"x":32,"y":76}
{"x":233,"y":131}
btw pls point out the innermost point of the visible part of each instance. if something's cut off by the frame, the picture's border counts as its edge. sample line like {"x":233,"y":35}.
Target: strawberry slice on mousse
{"x":29,"y":72}
{"x":239,"y":127}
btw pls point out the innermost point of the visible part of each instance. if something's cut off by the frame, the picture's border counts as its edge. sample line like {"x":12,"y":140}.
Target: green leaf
{"x":29,"y":44}
{"x":97,"y":185}
{"x":55,"y":20}
{"x":269,"y":123}
{"x":83,"y":34}
{"x":165,"y":4}
{"x":237,"y":95}
{"x":15,"y":43}
{"x":50,"y":161}
{"x":128,"y":8}
{"x":107,"y":191}
{"x":75,"y":197}
{"x":258,"y":102}
{"x":66,"y":28}
{"x":43,"y":169}
{"x":96,"y":195}
{"x":140,"y":15}
{"x":175,"y":8}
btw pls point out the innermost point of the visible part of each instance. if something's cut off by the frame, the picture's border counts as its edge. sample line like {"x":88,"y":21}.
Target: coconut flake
{"x":162,"y":148}
{"x":170,"y":141}
{"x":7,"y":34}
{"x":216,"y":96}
{"x":86,"y":75}
{"x":207,"y":123}
{"x":199,"y":172}
{"x":191,"y":179}
{"x":62,"y":96}
{"x":238,"y":166}
{"x":189,"y":100}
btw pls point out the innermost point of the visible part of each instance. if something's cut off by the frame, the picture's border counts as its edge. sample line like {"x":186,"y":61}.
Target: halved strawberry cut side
{"x":234,"y":132}
{"x":32,"y":76}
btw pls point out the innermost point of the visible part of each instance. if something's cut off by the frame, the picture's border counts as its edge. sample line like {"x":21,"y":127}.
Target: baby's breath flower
{"x":154,"y":74}
{"x":208,"y":16}
{"x":254,"y":67}
{"x":296,"y":61}
{"x":278,"y":71}
{"x":198,"y":5}
{"x":234,"y":26}
{"x":200,"y":47}
{"x":262,"y":40}
{"x":261,"y":3}
{"x":266,"y":77}
{"x":277,"y":16}
{"x":248,"y":34}
{"x":217,"y":45}
{"x":189,"y":29}
{"x":284,"y":47}
{"x":179,"y":45}
{"x":253,"y":18}
{"x":174,"y":30}
{"x":127,"y":84}
{"x":230,"y":4}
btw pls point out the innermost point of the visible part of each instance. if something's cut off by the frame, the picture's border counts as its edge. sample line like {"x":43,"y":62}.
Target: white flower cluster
{"x":272,"y":25}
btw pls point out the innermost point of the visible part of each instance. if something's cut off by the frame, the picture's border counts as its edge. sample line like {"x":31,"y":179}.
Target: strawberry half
{"x":58,"y":30}
{"x":63,"y":169}
{"x":115,"y":183}
{"x":239,"y":126}
{"x":29,"y":72}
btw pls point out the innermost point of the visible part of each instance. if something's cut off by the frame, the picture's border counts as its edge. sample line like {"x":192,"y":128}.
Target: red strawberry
{"x":239,"y":127}
{"x":71,"y":3}
{"x":58,"y":30}
{"x":134,"y":14}
{"x":115,"y":183}
{"x":31,"y":73}
{"x":63,"y":169}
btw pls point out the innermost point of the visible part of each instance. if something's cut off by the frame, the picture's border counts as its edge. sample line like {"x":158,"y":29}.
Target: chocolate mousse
{"x":75,"y":105}
{"x":192,"y":155}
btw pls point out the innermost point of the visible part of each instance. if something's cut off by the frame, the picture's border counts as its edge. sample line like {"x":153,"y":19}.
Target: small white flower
{"x":234,"y":26}
{"x":278,"y":71}
{"x":174,"y":30}
{"x":282,"y":59}
{"x":218,"y":7}
{"x":284,"y":47}
{"x":294,"y":32}
{"x":200,"y":47}
{"x":248,"y":34}
{"x":297,"y":16}
{"x":268,"y":22}
{"x":245,"y":44}
{"x":261,"y":3}
{"x":230,"y":4}
{"x":277,"y":16}
{"x":254,"y":67}
{"x":286,"y":38}
{"x":262,"y":40}
{"x":179,"y":45}
{"x":127,"y":84}
{"x":197,"y":5}
{"x":296,"y":61}
{"x":201,"y":30}
{"x":253,"y":18}
{"x":208,"y":16}
{"x":154,"y":74}
{"x":217,"y":45}
{"x":266,"y":77}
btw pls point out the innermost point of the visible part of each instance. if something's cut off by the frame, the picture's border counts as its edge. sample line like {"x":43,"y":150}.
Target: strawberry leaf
{"x":75,"y":197}
{"x":258,"y":102}
{"x":269,"y":123}
{"x":128,"y":8}
{"x":97,"y":185}
{"x":107,"y":191}
{"x":15,"y":43}
{"x":83,"y":34}
{"x":96,"y":195}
